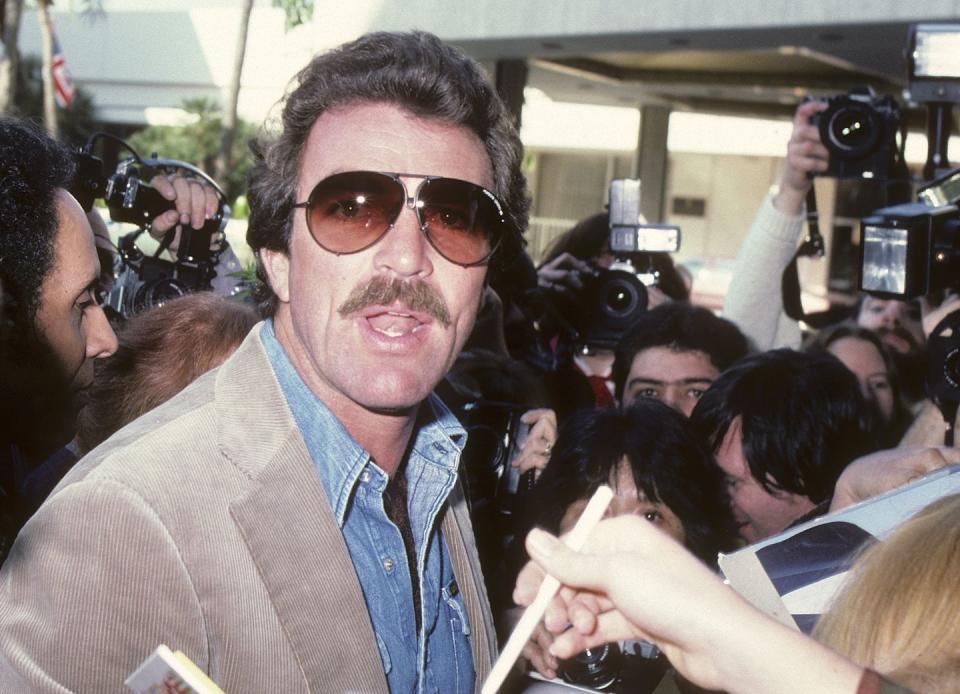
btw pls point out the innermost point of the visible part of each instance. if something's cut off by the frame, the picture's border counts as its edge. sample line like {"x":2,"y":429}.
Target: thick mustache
{"x":899,"y":332}
{"x":414,"y":294}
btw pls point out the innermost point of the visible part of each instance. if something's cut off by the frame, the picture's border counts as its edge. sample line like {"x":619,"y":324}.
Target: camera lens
{"x":596,"y":668}
{"x":951,"y":368}
{"x":157,"y":293}
{"x":623,"y":295}
{"x":851,"y":130}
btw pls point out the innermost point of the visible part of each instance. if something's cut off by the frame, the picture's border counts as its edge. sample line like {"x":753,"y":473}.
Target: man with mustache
{"x":293,"y":521}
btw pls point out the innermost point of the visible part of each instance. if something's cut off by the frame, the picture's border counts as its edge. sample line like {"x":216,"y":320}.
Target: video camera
{"x":618,"y":295}
{"x":860,"y":130}
{"x":142,"y":281}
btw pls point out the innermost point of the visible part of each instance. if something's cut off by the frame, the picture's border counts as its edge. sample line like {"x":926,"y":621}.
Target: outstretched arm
{"x":632,"y":581}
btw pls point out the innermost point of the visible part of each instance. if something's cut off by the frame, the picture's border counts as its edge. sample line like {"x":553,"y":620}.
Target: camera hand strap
{"x":811,"y":247}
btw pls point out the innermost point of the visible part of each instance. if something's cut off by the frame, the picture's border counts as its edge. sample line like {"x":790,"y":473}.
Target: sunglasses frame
{"x":413,"y":204}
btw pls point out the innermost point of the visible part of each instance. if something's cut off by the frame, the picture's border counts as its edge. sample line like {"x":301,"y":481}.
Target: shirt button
{"x":365,"y":476}
{"x":388,"y":564}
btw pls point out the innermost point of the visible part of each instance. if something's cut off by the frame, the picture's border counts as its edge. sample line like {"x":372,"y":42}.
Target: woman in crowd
{"x":863,"y":352}
{"x":659,"y":470}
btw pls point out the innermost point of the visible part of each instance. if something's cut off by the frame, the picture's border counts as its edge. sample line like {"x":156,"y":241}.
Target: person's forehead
{"x":859,"y":348}
{"x":663,"y":364}
{"x":872,"y":303}
{"x":385,"y":137}
{"x":76,"y":264}
{"x":729,"y":455}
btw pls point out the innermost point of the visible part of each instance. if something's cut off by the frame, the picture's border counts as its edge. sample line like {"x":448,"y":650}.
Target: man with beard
{"x":293,"y":521}
{"x":898,"y":323}
{"x":53,"y":326}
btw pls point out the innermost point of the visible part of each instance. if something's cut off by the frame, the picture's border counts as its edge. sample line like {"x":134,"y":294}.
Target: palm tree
{"x":296,"y":12}
{"x":46,"y":38}
{"x":222,"y":165}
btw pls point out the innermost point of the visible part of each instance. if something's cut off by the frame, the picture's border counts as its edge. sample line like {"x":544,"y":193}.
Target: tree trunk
{"x":230,"y":107}
{"x":10,"y":59}
{"x":49,"y":101}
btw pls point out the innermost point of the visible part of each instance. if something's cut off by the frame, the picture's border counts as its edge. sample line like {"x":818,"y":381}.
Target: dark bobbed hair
{"x":670,"y":463}
{"x":803,"y":419}
{"x":680,"y":327}
{"x":820,"y":342}
{"x":32,"y":167}
{"x":161,"y":351}
{"x":589,"y":237}
{"x":415,"y":71}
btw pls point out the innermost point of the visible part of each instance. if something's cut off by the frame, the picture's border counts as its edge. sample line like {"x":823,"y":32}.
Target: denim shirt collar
{"x":439,"y":438}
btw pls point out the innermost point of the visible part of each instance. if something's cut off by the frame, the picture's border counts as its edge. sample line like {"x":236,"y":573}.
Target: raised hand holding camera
{"x":180,"y":206}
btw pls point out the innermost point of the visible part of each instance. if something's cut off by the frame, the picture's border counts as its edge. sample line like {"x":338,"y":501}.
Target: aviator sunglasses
{"x":350,"y":211}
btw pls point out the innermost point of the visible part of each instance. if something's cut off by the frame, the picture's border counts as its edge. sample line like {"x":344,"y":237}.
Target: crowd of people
{"x":312,"y":491}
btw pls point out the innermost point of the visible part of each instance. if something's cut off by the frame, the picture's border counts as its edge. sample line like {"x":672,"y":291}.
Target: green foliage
{"x":296,"y":12}
{"x":199,"y":142}
{"x":77,"y":121}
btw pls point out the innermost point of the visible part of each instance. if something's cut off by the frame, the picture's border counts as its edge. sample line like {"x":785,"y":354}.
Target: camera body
{"x":910,"y":250}
{"x":624,"y":666}
{"x":142,"y":281}
{"x":860,"y":131}
{"x":617,"y":296}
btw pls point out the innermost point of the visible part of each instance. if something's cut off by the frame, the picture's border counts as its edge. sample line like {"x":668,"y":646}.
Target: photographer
{"x":569,"y":277}
{"x":754,"y":299}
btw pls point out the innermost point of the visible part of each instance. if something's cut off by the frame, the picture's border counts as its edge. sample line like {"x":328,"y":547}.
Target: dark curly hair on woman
{"x":670,"y":465}
{"x":32,"y":168}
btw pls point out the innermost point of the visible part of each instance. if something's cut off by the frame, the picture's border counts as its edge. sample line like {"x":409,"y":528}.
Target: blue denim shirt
{"x":438,"y":659}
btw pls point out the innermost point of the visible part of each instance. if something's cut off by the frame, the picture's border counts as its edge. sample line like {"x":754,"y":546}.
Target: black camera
{"x":142,"y":281}
{"x":911,"y":250}
{"x":617,"y":296}
{"x":627,"y":666}
{"x":861,"y":130}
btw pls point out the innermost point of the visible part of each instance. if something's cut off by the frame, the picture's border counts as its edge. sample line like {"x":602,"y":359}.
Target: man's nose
{"x":404,"y":250}
{"x":101,"y":340}
{"x":673,"y":398}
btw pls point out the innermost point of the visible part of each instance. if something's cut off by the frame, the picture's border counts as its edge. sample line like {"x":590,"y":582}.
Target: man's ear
{"x":277,"y":266}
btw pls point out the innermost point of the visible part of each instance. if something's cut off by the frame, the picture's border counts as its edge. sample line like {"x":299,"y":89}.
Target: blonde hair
{"x":899,"y":611}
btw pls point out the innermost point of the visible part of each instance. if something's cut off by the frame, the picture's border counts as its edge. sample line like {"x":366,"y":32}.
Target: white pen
{"x":534,"y":613}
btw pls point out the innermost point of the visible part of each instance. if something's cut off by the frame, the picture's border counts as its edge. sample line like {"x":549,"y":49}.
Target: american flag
{"x":63,"y":88}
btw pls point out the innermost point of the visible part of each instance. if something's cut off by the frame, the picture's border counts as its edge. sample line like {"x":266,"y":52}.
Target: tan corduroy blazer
{"x":203,"y":525}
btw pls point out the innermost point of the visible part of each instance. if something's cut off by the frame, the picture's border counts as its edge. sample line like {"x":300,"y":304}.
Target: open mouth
{"x":396,"y":322}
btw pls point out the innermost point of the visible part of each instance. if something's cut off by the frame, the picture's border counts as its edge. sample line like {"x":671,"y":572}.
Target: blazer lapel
{"x":290,"y":532}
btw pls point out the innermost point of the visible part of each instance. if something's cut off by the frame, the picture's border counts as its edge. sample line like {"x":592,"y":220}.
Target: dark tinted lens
{"x":462,"y":220}
{"x":350,"y":211}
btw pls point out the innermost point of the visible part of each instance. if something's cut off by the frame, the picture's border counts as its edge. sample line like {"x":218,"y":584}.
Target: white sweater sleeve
{"x":754,"y":301}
